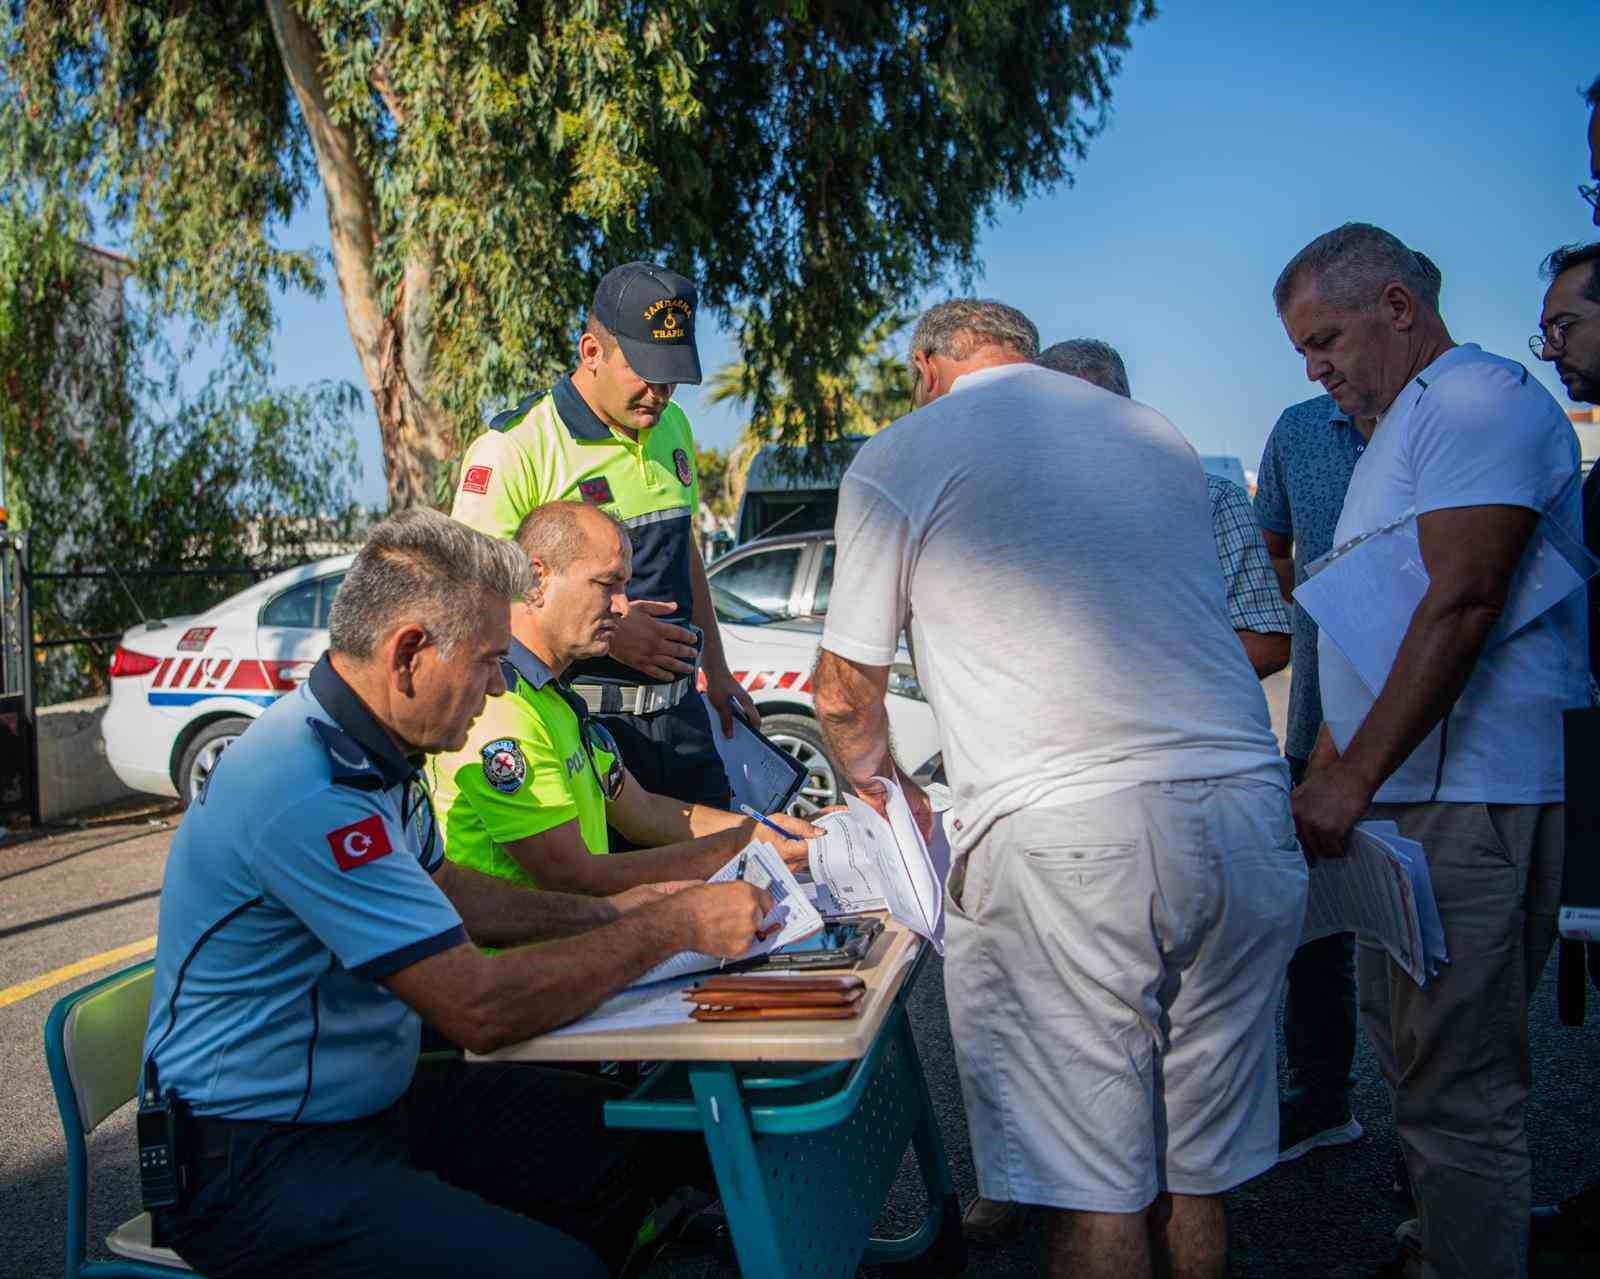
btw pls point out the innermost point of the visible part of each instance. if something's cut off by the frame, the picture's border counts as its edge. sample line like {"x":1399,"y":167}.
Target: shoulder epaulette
{"x":350,"y":764}
{"x":508,"y":418}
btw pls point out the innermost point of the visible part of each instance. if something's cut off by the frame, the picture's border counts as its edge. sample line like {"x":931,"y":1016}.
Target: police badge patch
{"x":680,"y":462}
{"x":504,"y":768}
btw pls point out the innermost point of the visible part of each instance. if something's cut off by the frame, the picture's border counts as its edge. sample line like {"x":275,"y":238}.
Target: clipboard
{"x":762,"y":775}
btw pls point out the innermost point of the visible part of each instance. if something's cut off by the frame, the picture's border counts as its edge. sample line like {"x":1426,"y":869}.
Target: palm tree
{"x":870,"y":392}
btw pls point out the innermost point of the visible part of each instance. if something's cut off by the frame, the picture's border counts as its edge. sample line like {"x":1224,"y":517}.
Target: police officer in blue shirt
{"x":310,"y":922}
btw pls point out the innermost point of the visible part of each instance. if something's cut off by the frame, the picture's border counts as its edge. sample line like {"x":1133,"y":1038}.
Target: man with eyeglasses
{"x":1569,"y":337}
{"x":529,"y":796}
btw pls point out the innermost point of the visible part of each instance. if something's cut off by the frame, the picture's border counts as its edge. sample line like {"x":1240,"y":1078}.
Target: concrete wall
{"x":73,"y":773}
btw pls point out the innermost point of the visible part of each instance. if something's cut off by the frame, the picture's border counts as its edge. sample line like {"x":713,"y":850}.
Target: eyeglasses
{"x":1592,"y":195}
{"x":1555,"y":339}
{"x":597,"y":740}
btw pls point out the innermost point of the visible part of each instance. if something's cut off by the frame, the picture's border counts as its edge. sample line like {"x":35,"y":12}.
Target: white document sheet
{"x":761,"y":775}
{"x":759,"y":864}
{"x":659,"y":1004}
{"x":1362,"y":594}
{"x":863,"y":862}
{"x":1380,"y":891}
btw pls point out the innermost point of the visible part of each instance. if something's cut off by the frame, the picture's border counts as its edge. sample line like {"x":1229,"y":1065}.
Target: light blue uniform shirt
{"x":301,"y":875}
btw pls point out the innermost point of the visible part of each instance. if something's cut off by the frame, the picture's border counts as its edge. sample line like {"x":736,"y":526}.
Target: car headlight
{"x":903,"y":680}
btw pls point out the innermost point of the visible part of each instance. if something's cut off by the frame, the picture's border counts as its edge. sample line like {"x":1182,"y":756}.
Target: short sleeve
{"x":496,"y":489}
{"x":1479,"y":436}
{"x":513,"y":807}
{"x":872,"y":575}
{"x":341,"y":866}
{"x":1254,"y":600}
{"x":694,"y":468}
{"x":1272,"y":495}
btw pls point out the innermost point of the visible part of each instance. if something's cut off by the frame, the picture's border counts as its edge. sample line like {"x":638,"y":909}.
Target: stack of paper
{"x":762,"y":865}
{"x":865,"y":862}
{"x":1380,"y":891}
{"x":1362,"y":594}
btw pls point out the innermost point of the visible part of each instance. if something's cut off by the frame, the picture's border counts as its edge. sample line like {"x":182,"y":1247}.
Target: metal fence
{"x":21,"y":647}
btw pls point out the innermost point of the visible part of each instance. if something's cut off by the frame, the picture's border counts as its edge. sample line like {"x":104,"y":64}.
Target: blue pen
{"x":765,"y":821}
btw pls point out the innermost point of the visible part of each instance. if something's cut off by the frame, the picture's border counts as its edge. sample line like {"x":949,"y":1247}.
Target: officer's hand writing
{"x":644,"y":894}
{"x":725,"y":693}
{"x":793,"y":851}
{"x":646,"y":643}
{"x":1326,"y":805}
{"x":724,"y":919}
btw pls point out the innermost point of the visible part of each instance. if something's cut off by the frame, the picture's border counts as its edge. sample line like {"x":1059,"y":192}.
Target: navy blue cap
{"x":651,"y":311}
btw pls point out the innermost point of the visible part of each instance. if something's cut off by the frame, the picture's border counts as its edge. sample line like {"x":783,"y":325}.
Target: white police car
{"x":183,"y":688}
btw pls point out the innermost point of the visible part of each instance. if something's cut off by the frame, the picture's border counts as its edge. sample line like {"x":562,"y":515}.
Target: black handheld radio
{"x":162,"y":1127}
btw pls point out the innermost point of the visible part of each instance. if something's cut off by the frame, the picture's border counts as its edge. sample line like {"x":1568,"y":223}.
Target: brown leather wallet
{"x":834,"y":1013}
{"x":766,"y":998}
{"x":816,"y":983}
{"x":774,"y":998}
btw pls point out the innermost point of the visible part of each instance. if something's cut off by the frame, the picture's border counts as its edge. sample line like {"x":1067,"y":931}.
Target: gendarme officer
{"x":609,"y":434}
{"x":309,"y":922}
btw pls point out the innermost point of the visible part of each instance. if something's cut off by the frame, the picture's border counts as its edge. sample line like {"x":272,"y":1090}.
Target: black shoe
{"x":1573,"y":1225}
{"x":1400,"y":1181}
{"x":1300,"y":1132}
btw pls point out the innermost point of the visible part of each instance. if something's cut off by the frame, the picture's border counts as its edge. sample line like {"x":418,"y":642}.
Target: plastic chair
{"x":92,"y":1043}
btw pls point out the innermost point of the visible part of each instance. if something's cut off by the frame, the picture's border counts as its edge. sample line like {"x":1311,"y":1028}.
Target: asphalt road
{"x":80,"y":893}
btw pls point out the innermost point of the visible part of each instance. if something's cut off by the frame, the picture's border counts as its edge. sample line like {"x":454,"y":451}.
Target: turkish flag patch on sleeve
{"x":360,"y":842}
{"x":476,"y":479}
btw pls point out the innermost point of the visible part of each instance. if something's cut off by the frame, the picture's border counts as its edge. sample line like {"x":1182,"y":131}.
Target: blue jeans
{"x":1319,"y":1018}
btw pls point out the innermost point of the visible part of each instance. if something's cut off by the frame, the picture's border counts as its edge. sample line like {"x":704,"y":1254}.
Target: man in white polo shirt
{"x":1127,"y":889}
{"x":1462,"y":745}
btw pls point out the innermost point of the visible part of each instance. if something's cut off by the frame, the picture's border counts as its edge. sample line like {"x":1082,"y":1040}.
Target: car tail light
{"x":126,"y":662}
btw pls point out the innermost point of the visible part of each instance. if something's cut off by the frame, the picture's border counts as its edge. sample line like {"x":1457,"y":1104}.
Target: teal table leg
{"x":731,"y":1145}
{"x":937,"y":1246}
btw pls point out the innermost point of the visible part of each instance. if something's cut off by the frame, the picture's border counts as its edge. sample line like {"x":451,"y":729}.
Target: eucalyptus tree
{"x":482,"y":163}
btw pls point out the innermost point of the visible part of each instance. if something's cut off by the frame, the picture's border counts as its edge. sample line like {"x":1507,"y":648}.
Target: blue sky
{"x":1239,"y":131}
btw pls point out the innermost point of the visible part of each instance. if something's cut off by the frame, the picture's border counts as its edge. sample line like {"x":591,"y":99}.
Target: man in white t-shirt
{"x":1126,"y":889}
{"x":1462,"y":745}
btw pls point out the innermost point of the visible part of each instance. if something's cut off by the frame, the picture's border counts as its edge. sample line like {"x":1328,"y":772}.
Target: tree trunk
{"x":395,"y":346}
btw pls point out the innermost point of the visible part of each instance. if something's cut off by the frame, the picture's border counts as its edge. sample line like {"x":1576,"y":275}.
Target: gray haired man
{"x":1255,"y":604}
{"x":310,"y":923}
{"x":1126,"y":888}
{"x":1462,"y":744}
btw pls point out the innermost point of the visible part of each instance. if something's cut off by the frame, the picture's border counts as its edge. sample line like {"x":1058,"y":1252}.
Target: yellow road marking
{"x":12,"y":994}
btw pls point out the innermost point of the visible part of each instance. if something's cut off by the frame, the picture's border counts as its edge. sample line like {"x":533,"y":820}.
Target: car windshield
{"x":730,"y":608}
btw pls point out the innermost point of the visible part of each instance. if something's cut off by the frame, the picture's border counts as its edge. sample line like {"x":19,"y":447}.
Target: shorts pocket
{"x":971,"y":878}
{"x":1081,"y":865}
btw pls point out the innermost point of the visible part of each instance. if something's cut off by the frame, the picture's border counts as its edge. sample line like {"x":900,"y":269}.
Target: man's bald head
{"x":582,"y":560}
{"x":559,"y":533}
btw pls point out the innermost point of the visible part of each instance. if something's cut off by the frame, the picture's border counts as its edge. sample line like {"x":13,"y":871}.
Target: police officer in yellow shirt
{"x":609,"y":434}
{"x":528,"y":796}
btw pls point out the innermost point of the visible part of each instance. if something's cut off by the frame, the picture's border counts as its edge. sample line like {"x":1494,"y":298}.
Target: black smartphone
{"x":839,"y":943}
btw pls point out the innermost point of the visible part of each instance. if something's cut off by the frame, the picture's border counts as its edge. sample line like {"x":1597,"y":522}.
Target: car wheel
{"x":202,"y":754}
{"x":824,"y":786}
